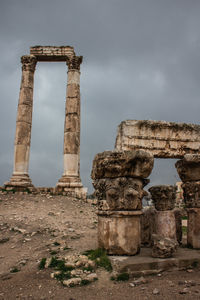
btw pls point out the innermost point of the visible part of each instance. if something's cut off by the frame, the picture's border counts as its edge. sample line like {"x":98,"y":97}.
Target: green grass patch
{"x":184,"y":218}
{"x":42,"y":263}
{"x":59,"y":264}
{"x":85,"y":282}
{"x":53,"y":252}
{"x":89,"y":269}
{"x":62,"y":276}
{"x":66,"y":248}
{"x":122,"y":277}
{"x":56,"y":244}
{"x":100,"y":257}
{"x":14,"y":270}
{"x":184,"y":229}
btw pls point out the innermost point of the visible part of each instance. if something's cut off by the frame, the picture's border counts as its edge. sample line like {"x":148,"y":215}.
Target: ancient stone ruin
{"x":162,"y":139}
{"x":189,"y":171}
{"x":119,"y":178}
{"x":70,"y":183}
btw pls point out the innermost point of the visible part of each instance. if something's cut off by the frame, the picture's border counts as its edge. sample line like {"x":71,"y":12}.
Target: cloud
{"x":141,"y":61}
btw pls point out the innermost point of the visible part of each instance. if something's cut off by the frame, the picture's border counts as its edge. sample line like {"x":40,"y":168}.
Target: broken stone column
{"x":119,"y":179}
{"x":189,"y":171}
{"x":164,"y":197}
{"x":20,"y":179}
{"x":70,"y":183}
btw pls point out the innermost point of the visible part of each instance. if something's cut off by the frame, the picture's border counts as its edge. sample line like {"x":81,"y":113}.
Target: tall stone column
{"x":20,"y":179}
{"x":119,"y":179}
{"x":70,"y":183}
{"x":189,"y":171}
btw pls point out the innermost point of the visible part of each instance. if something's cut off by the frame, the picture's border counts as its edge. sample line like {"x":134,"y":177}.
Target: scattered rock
{"x":184,"y":291}
{"x":163,"y":247}
{"x":156,"y":291}
{"x":72,"y":282}
{"x":140,"y":281}
{"x":91,"y":277}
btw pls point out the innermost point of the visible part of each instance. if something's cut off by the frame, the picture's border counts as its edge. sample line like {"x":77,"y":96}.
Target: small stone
{"x":139,"y":281}
{"x":92,"y":277}
{"x":72,"y":282}
{"x":184,"y":291}
{"x":132,"y":284}
{"x":190,"y":270}
{"x":156,"y":291}
{"x":48,"y":261}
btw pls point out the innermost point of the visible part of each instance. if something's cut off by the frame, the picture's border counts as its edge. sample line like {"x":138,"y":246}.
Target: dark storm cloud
{"x":141,"y":61}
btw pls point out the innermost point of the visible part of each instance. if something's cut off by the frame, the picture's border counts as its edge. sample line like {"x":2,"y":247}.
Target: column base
{"x":119,"y":232}
{"x":19,"y":183}
{"x":71,"y":187}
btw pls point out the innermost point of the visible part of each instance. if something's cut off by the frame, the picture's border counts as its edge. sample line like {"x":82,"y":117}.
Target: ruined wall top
{"x":52,"y":53}
{"x":163,"y":139}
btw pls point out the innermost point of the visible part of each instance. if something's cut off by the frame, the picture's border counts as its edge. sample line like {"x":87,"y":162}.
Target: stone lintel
{"x":163,"y":139}
{"x":52,"y":53}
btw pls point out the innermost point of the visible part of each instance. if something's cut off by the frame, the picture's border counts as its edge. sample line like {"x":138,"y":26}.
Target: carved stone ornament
{"x":74,"y":62}
{"x":113,"y":164}
{"x":28,"y":62}
{"x":163,"y":196}
{"x":119,"y":193}
{"x":191,"y":192}
{"x":188,"y":168}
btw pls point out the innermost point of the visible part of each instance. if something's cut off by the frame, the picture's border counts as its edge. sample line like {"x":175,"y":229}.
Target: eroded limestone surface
{"x":163,"y":247}
{"x":112,"y":164}
{"x":162,"y":139}
{"x":119,"y":179}
{"x":164,"y":196}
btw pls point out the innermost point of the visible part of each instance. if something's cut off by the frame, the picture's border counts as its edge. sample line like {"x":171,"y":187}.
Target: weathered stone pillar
{"x":189,"y":171}
{"x":118,"y":179}
{"x":70,"y":183}
{"x":20,"y":179}
{"x":164,"y":197}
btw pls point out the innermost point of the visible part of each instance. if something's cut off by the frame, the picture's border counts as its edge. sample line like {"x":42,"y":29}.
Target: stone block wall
{"x":162,"y":139}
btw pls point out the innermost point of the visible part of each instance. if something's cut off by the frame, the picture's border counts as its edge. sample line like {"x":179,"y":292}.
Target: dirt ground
{"x":35,"y":226}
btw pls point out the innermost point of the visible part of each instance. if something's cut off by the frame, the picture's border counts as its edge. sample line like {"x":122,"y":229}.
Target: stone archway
{"x":70,"y":182}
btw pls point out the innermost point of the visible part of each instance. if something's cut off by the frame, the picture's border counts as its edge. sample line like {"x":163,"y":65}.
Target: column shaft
{"x":23,"y":124}
{"x":70,"y":183}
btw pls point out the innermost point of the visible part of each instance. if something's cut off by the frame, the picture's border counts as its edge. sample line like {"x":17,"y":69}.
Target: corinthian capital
{"x":28,"y":62}
{"x":74,"y":62}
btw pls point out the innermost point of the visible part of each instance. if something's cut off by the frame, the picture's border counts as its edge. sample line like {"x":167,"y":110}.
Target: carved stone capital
{"x":121,"y":193}
{"x":28,"y":62}
{"x":188,"y":168}
{"x":191,"y":192}
{"x":74,"y":62}
{"x":163,"y":196}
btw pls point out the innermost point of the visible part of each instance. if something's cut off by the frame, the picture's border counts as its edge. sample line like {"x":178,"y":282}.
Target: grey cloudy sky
{"x":141,"y":61}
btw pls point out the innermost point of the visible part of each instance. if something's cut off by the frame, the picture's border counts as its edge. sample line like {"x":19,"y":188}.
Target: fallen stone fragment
{"x":91,"y":277}
{"x":156,"y":291}
{"x":163,"y":247}
{"x":184,"y":291}
{"x":72,"y":282}
{"x":140,"y":281}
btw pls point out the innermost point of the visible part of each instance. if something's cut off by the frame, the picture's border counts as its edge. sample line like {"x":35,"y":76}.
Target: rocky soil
{"x":33,"y":227}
